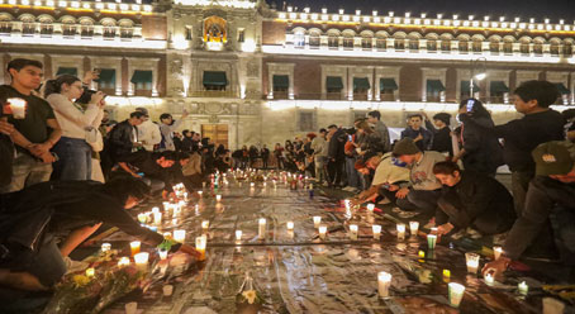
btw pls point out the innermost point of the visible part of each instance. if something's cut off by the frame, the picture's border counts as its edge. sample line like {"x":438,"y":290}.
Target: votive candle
{"x":201,"y":247}
{"x":414,"y":227}
{"x":158,"y":218}
{"x":106,"y":247}
{"x":262,"y":228}
{"x":135,"y":247}
{"x":180,"y":235}
{"x":353,"y":229}
{"x":489,"y":280}
{"x":163,"y":254}
{"x":431,"y":241}
{"x":322,"y":231}
{"x":316,"y":221}
{"x":239,"y":235}
{"x":124,"y":261}
{"x":376,"y":231}
{"x":90,"y":272}
{"x":218,"y":198}
{"x":201,"y":193}
{"x":205,"y":224}
{"x":497,"y":251}
{"x":155,"y":210}
{"x":290,"y":225}
{"x":141,"y":260}
{"x":523,"y":288}
{"x":370,"y":208}
{"x":472,"y":260}
{"x":400,"y":231}
{"x":384,"y":282}
{"x":455,"y":292}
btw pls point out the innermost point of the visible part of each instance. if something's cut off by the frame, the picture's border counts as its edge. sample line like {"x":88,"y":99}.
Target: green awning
{"x":107,"y":76}
{"x":498,"y":87}
{"x":281,"y":81}
{"x":361,"y":83}
{"x":387,"y":84}
{"x":142,"y":77}
{"x":435,"y":86}
{"x":562,"y":89}
{"x":465,"y":87}
{"x":67,"y":71}
{"x":334,"y":82}
{"x":215,"y":78}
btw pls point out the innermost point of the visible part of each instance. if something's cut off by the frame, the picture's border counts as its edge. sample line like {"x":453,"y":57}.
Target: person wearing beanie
{"x":148,"y":132}
{"x":551,"y":196}
{"x":441,"y":141}
{"x":425,"y":189}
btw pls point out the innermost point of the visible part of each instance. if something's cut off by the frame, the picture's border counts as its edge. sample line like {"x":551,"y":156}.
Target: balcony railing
{"x":213,"y":94}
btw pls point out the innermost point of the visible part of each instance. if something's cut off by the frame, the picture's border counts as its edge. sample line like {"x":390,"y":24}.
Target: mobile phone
{"x":470,"y":104}
{"x":350,"y":138}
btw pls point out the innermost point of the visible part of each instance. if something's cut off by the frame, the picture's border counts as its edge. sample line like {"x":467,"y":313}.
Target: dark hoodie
{"x":483,"y":151}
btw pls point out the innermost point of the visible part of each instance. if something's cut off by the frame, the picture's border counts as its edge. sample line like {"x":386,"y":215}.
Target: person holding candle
{"x":39,"y":128}
{"x":551,"y":195}
{"x":472,"y":200}
{"x":31,"y":220}
{"x":79,"y":127}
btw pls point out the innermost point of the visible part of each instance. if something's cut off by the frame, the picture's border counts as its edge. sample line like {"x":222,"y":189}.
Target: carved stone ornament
{"x":253,"y":68}
{"x":177,"y":67}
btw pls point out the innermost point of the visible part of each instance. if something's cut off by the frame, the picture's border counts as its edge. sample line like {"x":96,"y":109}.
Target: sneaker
{"x":75,"y":266}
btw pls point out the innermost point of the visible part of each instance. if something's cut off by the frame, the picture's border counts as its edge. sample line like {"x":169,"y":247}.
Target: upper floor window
{"x":109,"y":32}
{"x":538,"y":48}
{"x":306,"y":121}
{"x":314,"y":40}
{"x":381,"y":43}
{"x":366,"y":42}
{"x":399,"y":44}
{"x":463,"y":45}
{"x":445,"y":45}
{"x":215,"y":80}
{"x":348,"y":41}
{"x":126,"y":33}
{"x":494,"y":46}
{"x":524,"y":48}
{"x":333,"y":41}
{"x":241,"y":36}
{"x":567,"y":50}
{"x":554,"y":49}
{"x":5,"y":27}
{"x":508,"y":47}
{"x":477,"y":45}
{"x":189,"y":34}
{"x":299,"y":39}
{"x":431,"y":45}
{"x":28,"y":27}
{"x":143,"y":81}
{"x":414,"y":44}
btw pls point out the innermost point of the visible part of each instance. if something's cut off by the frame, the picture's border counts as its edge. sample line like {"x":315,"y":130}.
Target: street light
{"x":481,"y":64}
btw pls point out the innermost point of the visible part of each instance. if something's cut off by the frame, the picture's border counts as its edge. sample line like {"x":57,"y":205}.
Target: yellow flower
{"x":250,"y":295}
{"x":80,"y":280}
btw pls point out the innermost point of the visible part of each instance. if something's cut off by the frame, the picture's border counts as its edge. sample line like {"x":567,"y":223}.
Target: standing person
{"x":336,"y":155}
{"x":351,"y":156}
{"x":254,"y":155}
{"x":374,"y":118}
{"x":419,"y":135}
{"x":75,"y":154}
{"x":320,"y":148}
{"x":245,"y":157}
{"x":148,"y":132}
{"x":167,"y":128}
{"x":122,"y":141}
{"x":278,"y":154}
{"x":265,"y":153}
{"x":39,"y":129}
{"x":442,"y":141}
{"x":480,"y":152}
{"x":192,"y":171}
{"x":187,"y":141}
{"x":540,"y":124}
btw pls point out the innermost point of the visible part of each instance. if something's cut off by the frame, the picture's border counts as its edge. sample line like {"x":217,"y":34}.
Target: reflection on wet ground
{"x":296,"y":272}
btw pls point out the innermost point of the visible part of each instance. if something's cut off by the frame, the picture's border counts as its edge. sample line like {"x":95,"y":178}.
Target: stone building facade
{"x":251,"y":74}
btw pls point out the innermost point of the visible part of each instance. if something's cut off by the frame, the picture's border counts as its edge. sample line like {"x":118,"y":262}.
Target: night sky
{"x":539,"y":9}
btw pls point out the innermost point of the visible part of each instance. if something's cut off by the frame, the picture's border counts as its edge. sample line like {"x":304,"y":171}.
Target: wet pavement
{"x":297,"y":272}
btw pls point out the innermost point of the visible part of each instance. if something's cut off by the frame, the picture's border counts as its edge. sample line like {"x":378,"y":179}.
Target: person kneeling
{"x":472,"y":200}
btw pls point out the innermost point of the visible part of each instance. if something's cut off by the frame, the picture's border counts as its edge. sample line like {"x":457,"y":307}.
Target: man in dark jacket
{"x":336,"y":154}
{"x":121,"y":141}
{"x":539,"y":125}
{"x":152,"y":168}
{"x":473,"y":200}
{"x":417,"y":133}
{"x":265,"y":153}
{"x":441,"y":132}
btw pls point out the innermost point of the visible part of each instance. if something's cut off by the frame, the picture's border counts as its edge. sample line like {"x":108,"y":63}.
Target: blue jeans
{"x":352,"y":175}
{"x":74,"y":160}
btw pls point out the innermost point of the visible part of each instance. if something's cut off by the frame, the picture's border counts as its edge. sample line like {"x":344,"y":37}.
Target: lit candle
{"x":18,"y":107}
{"x":370,"y":208}
{"x":455,"y":292}
{"x":353,"y":229}
{"x":142,"y":218}
{"x":414,"y":227}
{"x":201,"y":247}
{"x":489,"y":279}
{"x":200,"y":193}
{"x":322,"y":231}
{"x":421,"y":254}
{"x":155,"y":210}
{"x":239,"y":235}
{"x":400,"y":231}
{"x":497,"y":251}
{"x":376,"y":231}
{"x":262,"y":228}
{"x":205,"y":225}
{"x":290,"y":225}
{"x":168,"y":290}
{"x":431,"y":241}
{"x":252,"y":184}
{"x":218,"y":198}
{"x":135,"y":247}
{"x":158,"y":218}
{"x":180,"y":235}
{"x":90,"y":272}
{"x":163,"y":254}
{"x":186,"y":196}
{"x":316,"y":221}
{"x":124,"y":261}
{"x":106,"y":247}
{"x":384,"y":281}
{"x":523,"y":288}
{"x":167,"y":235}
{"x":141,"y":260}
{"x":446,"y":275}
{"x":472,"y":260}
{"x":347,"y":204}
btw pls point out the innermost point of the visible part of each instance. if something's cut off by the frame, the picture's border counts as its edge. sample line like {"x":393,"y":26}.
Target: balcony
{"x":213,"y":94}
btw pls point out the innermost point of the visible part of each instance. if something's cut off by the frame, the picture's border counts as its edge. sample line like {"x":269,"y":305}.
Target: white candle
{"x":90,"y":272}
{"x":155,"y":210}
{"x":142,"y":218}
{"x":168,"y":290}
{"x":489,"y":279}
{"x":106,"y":247}
{"x":262,"y":228}
{"x":252,"y":184}
{"x":316,"y":221}
{"x":347,"y":204}
{"x":290,"y":225}
{"x":201,"y":243}
{"x":472,"y":260}
{"x":186,"y":196}
{"x":376,"y":231}
{"x":200,"y":193}
{"x":205,"y":224}
{"x":158,"y":218}
{"x":322,"y":231}
{"x":353,"y":229}
{"x":141,"y":260}
{"x":218,"y":198}
{"x":384,"y":282}
{"x":370,"y":208}
{"x":414,"y":227}
{"x":163,"y":254}
{"x":497,"y":251}
{"x":239,"y":235}
{"x":135,"y":247}
{"x":523,"y":288}
{"x":400,"y":231}
{"x":18,"y":107}
{"x":180,"y":235}
{"x":455,"y":292}
{"x":124,"y":261}
{"x":431,"y":241}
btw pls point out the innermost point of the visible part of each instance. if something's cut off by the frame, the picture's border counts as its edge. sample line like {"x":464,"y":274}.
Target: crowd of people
{"x":444,"y":175}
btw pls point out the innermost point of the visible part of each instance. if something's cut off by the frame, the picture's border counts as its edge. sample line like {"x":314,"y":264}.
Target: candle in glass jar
{"x":400,"y":231}
{"x":489,"y":279}
{"x":316,"y":221}
{"x":163,"y":254}
{"x":523,"y":288}
{"x":290,"y":225}
{"x":431,"y":241}
{"x":446,"y":275}
{"x":472,"y":260}
{"x":180,"y":235}
{"x":106,"y":247}
{"x":18,"y":107}
{"x":239,"y":235}
{"x":90,"y":272}
{"x":158,"y":218}
{"x":322,"y":231}
{"x":141,"y":260}
{"x":124,"y":261}
{"x":353,"y":230}
{"x":155,"y":210}
{"x":200,"y":193}
{"x":497,"y":251}
{"x":376,"y":231}
{"x":262,"y":228}
{"x":370,"y":208}
{"x":218,"y":198}
{"x":142,"y":218}
{"x":414,"y":227}
{"x":135,"y":247}
{"x":384,"y":282}
{"x":455,"y":292}
{"x":201,"y":247}
{"x":205,"y":225}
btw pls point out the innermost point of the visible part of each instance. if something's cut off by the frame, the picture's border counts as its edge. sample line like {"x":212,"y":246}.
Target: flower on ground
{"x":80,"y":280}
{"x":250,"y":295}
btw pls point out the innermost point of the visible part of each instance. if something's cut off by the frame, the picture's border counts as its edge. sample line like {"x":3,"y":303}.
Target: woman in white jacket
{"x":74,"y":153}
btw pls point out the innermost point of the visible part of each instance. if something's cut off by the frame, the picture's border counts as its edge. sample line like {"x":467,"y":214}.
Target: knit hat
{"x":554,"y":158}
{"x":405,"y":147}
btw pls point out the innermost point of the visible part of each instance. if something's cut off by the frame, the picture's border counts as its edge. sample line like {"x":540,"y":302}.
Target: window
{"x":314,"y":40}
{"x":387,"y":88}
{"x":46,"y":29}
{"x":431,"y":45}
{"x":445,"y":45}
{"x":109,"y":31}
{"x":299,"y":40}
{"x":524,"y":48}
{"x":215,"y":80}
{"x":498,"y":89}
{"x":189,"y":33}
{"x":348,"y":41}
{"x":414,"y":44}
{"x":399,"y":44}
{"x":334,"y":87}
{"x":463,"y":45}
{"x":477,"y":45}
{"x":5,"y":27}
{"x":241,"y":35}
{"x":494,"y":47}
{"x":28,"y":28}
{"x":333,"y":41}
{"x":381,"y":43}
{"x":126,"y":32}
{"x":434,"y":90}
{"x":366,"y":43}
{"x":142,"y":81}
{"x":280,"y":86}
{"x":508,"y":47}
{"x":538,"y":48}
{"x":69,"y":29}
{"x":360,"y":88}
{"x":465,"y":89}
{"x":567,"y":50}
{"x":87,"y":31}
{"x":107,"y":81}
{"x":554,"y":49}
{"x":306,"y":122}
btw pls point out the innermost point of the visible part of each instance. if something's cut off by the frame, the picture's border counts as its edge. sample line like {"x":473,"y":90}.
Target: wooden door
{"x":218,"y":133}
